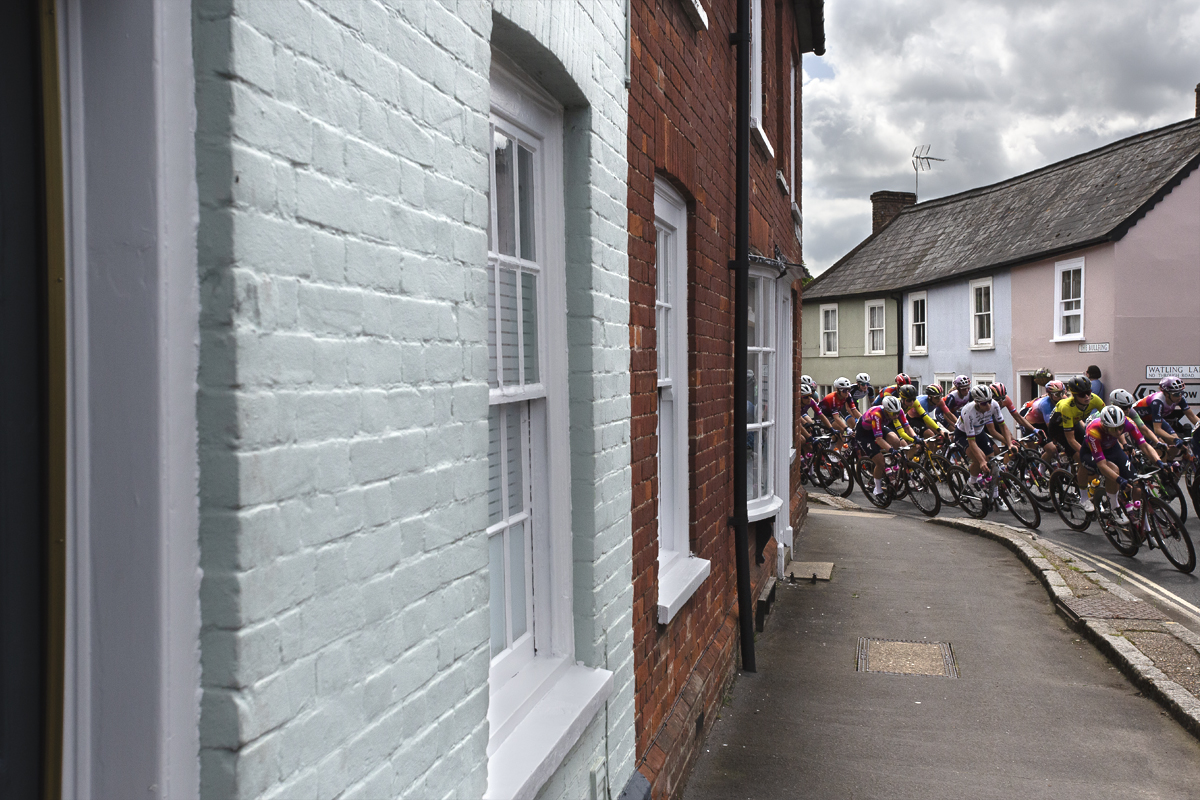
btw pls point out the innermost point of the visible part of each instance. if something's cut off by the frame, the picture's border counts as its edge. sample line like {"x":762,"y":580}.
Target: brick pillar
{"x":886,"y":205}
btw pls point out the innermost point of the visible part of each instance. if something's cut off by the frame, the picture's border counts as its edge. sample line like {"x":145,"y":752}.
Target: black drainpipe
{"x":899,"y":298}
{"x":741,"y":266}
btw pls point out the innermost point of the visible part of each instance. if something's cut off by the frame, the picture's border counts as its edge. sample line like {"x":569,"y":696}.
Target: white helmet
{"x":806,"y":390}
{"x":1112,"y":417}
{"x":891,"y":404}
{"x":1121,"y":398}
{"x":981,"y":393}
{"x":842,"y":384}
{"x":862,"y":377}
{"x":807,"y":380}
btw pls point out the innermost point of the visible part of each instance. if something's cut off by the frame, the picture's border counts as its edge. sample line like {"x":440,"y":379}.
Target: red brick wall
{"x":682,"y":108}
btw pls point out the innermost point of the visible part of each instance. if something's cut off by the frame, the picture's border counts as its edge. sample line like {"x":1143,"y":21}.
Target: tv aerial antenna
{"x":920,"y":162}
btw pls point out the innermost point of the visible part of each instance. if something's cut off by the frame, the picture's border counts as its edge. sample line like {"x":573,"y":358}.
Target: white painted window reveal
{"x":761,"y":393}
{"x":679,"y":572}
{"x":918,"y":343}
{"x":829,"y":330}
{"x":756,"y":78}
{"x":981,"y":314}
{"x":876,"y":337}
{"x":1068,"y":299}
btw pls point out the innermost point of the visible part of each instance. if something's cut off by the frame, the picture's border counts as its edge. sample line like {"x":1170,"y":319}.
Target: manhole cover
{"x":1106,"y":606}
{"x":899,"y":657}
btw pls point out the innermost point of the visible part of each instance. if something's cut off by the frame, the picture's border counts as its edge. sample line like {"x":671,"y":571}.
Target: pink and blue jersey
{"x":874,"y":421}
{"x":1099,"y":438}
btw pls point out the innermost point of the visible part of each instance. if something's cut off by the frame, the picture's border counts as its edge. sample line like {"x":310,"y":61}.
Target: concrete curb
{"x":1135,"y":664}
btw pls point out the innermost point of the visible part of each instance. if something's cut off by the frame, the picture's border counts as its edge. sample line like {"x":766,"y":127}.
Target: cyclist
{"x":978,"y":420}
{"x":901,"y":380}
{"x":1124,"y":401}
{"x":862,"y":388}
{"x":808,"y":403}
{"x":807,"y":380}
{"x":1039,"y":411}
{"x":1067,"y":431}
{"x":875,"y":435}
{"x":961,"y":394}
{"x":916,"y":413}
{"x":1104,"y":455}
{"x":1164,"y":407}
{"x":934,"y":402}
{"x":837,"y":405}
{"x":1000,"y":395}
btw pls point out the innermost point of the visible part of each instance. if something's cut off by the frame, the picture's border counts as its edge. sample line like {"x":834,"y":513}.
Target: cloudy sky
{"x":996,"y":89}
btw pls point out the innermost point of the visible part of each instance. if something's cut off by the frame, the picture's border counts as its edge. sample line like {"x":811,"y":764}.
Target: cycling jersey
{"x":1040,"y":410}
{"x":1100,"y":439}
{"x":918,"y":415}
{"x":832,"y":404}
{"x":973,"y":422}
{"x":932,"y":404}
{"x":858,"y":393}
{"x":808,"y":404}
{"x":874,"y":421}
{"x":955,"y":401}
{"x":1157,"y":408}
{"x":1069,"y":413}
{"x":887,"y":391}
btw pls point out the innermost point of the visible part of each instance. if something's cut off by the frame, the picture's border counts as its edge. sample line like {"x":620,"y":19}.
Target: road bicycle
{"x":1151,"y":522}
{"x":997,"y":488}
{"x":826,"y":466}
{"x":903,"y":477}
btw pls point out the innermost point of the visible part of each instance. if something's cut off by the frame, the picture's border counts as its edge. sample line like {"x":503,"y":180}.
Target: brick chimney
{"x":886,"y":205}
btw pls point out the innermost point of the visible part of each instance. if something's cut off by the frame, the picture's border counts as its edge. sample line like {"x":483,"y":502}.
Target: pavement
{"x":955,"y":659}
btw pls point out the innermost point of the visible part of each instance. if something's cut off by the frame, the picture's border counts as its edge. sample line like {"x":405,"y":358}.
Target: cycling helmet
{"x":1171,"y":383}
{"x":933,"y":390}
{"x":1055,"y":387}
{"x":1112,"y":417}
{"x":1079,"y":385}
{"x":863,"y":379}
{"x":903,"y":380}
{"x":807,"y":380}
{"x":962,"y":382}
{"x":891,"y":404}
{"x":981,"y":394}
{"x":999,"y":391}
{"x":806,"y":390}
{"x":1043,"y":376}
{"x":908,"y":392}
{"x":842,"y":385}
{"x":1121,"y":398}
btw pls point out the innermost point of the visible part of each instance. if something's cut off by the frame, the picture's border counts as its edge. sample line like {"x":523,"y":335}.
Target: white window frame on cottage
{"x":792,"y":129}
{"x":825,"y":352}
{"x":983,"y":378}
{"x":680,"y":573}
{"x":913,"y":325}
{"x":979,"y":342}
{"x":945,"y":380}
{"x":540,"y":699}
{"x":1064,"y":306}
{"x":757,"y":130}
{"x":881,"y":329}
{"x":762,"y":428}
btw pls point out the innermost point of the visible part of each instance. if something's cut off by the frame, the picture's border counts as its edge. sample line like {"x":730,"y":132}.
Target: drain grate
{"x":1106,"y":606}
{"x":903,"y":657}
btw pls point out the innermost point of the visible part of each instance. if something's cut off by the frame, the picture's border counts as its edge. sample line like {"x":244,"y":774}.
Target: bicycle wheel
{"x":1124,"y":538}
{"x":1065,"y":496}
{"x":1171,"y":536}
{"x":1017,"y":499}
{"x":970,"y":499}
{"x":1166,"y":488}
{"x":866,"y":481}
{"x":939,"y":468}
{"x":836,"y":474}
{"x":922,"y":490}
{"x":1035,"y":474}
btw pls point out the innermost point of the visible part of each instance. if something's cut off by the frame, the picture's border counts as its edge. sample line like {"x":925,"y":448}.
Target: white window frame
{"x":757,"y":130}
{"x":540,"y":705}
{"x":761,"y":503}
{"x":1059,"y":268}
{"x":792,"y":129}
{"x":867,"y":329}
{"x":983,"y":378}
{"x":680,"y":573}
{"x":821,"y":323}
{"x":978,"y":343}
{"x":944,"y":380}
{"x":913,"y":348}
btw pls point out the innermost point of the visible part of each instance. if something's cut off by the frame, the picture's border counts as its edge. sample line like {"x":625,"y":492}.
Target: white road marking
{"x":1150,"y":587}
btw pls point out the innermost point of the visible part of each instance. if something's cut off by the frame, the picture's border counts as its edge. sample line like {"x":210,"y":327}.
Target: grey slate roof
{"x":1082,"y":201}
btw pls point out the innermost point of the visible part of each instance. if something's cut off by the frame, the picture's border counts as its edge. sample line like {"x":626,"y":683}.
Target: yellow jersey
{"x":1070,"y":413}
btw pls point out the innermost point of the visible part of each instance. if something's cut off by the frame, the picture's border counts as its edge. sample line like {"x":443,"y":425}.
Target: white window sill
{"x":988,"y":346}
{"x":696,"y":14}
{"x":918,"y":352}
{"x":763,"y":507}
{"x":760,"y":136}
{"x":677,"y":583}
{"x":792,"y":456}
{"x":1072,"y":338}
{"x":535,"y":720}
{"x":875,"y":353}
{"x":829,"y":355}
{"x":799,"y":220}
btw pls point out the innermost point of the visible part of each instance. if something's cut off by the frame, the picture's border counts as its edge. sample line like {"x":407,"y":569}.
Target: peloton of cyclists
{"x":875,"y":435}
{"x":1164,"y":407}
{"x":978,"y":423}
{"x":838,"y":407}
{"x":1105,"y":455}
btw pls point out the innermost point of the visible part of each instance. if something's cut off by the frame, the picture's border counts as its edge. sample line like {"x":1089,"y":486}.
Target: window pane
{"x":495,"y":488}
{"x":506,"y":239}
{"x":764,"y":405}
{"x":751,"y":465}
{"x":919,"y":335}
{"x":529,"y":326}
{"x":766,"y":324}
{"x":515,"y":449}
{"x":493,"y":378}
{"x":662,"y":315}
{"x":666,"y":468}
{"x":525,"y":198}
{"x":516,"y":577}
{"x":983,"y":327}
{"x":830,"y":342}
{"x":496,"y":592}
{"x":752,"y":380}
{"x":508,"y":328}
{"x":1071,"y":324}
{"x":753,"y":303}
{"x":764,"y":475}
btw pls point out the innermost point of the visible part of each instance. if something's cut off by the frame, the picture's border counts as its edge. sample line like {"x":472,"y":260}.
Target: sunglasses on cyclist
{"x":1081,"y":396}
